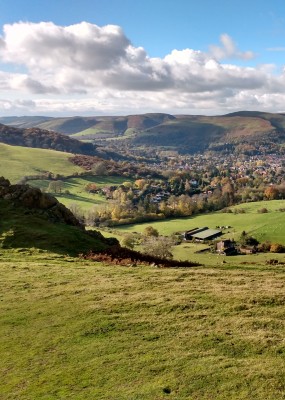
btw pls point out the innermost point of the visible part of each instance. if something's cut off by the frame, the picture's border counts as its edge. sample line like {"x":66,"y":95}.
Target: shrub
{"x":128,"y":241}
{"x":150,"y":231}
{"x":158,"y":246}
{"x":262,"y":210}
{"x":246,"y":240}
{"x":277,"y":248}
{"x":264,"y":247}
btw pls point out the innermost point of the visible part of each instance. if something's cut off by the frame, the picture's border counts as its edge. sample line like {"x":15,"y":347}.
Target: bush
{"x":246,"y":240}
{"x":128,"y":241}
{"x":264,"y":247}
{"x":277,"y":248}
{"x":150,"y":231}
{"x":158,"y":246}
{"x":262,"y":210}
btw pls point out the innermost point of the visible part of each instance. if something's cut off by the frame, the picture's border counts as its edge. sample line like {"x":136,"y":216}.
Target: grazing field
{"x":17,"y":161}
{"x":77,"y":195}
{"x":72,"y":329}
{"x":267,"y":226}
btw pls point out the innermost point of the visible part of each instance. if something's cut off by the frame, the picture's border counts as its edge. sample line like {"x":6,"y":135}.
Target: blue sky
{"x":197,"y":57}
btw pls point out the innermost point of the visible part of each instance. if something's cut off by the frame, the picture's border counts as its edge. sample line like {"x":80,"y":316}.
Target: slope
{"x":31,"y":219}
{"x":39,"y":138}
{"x":17,"y":162}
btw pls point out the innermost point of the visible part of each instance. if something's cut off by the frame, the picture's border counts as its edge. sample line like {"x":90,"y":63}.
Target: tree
{"x":187,"y":186}
{"x":158,"y":246}
{"x":150,"y":231}
{"x":277,"y":248}
{"x":55,"y":186}
{"x":271,"y":193}
{"x":91,"y":187}
{"x":99,"y":168}
{"x":140,"y":183}
{"x":246,"y":240}
{"x":128,"y":241}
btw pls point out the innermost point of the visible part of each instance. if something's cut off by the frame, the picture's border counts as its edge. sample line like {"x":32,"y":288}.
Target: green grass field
{"x":268,"y":226}
{"x":25,"y":228}
{"x":89,"y":131}
{"x":77,"y":194}
{"x":16,"y":162}
{"x":72,"y":329}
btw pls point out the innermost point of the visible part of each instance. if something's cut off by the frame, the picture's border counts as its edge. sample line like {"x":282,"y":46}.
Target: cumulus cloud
{"x":46,"y":45}
{"x":229,"y":50}
{"x":85,"y":68}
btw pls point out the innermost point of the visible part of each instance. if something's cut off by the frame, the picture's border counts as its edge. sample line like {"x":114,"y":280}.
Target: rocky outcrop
{"x":34,"y":199}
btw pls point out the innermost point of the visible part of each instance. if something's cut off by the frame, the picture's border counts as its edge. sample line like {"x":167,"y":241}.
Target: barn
{"x":202,"y":234}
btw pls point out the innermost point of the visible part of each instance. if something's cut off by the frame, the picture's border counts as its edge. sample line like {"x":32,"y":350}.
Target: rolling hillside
{"x":17,"y":162}
{"x":39,"y":138}
{"x":182,"y":132}
{"x":32,"y":219}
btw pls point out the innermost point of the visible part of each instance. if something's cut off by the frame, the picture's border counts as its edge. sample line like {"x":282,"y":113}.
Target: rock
{"x":36,"y":201}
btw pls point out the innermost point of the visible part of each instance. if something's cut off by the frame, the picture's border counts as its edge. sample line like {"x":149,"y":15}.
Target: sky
{"x":121,"y":57}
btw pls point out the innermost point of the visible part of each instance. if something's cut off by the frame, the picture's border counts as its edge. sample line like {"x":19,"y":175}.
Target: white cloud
{"x":84,"y":68}
{"x":229,"y":50}
{"x":278,"y":49}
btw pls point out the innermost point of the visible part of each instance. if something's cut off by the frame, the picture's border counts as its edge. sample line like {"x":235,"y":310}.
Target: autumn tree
{"x":158,"y":246}
{"x":129,"y":241}
{"x":271,"y":193}
{"x":150,"y":231}
{"x":99,"y":168}
{"x":91,"y":187}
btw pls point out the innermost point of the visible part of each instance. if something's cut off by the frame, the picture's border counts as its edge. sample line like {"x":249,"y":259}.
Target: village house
{"x":226,"y":247}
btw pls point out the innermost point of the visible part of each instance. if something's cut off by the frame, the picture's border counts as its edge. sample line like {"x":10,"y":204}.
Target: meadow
{"x":263,"y":226}
{"x":73,"y":191}
{"x":17,"y":162}
{"x":73,"y":329}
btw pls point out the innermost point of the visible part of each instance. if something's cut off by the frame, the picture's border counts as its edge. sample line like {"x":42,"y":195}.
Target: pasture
{"x":17,"y":162}
{"x":267,"y":226}
{"x":73,"y":191}
{"x":73,"y":329}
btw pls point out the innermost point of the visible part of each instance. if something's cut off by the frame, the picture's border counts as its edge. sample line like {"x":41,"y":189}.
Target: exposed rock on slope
{"x":32,"y":219}
{"x":33,"y":198}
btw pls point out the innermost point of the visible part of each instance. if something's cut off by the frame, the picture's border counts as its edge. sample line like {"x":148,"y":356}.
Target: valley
{"x":78,"y":327}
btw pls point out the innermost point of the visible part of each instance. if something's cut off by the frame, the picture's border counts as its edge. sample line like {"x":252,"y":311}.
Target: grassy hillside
{"x":68,"y":125}
{"x":43,"y":139}
{"x":16,"y":162}
{"x":181,"y":133}
{"x":77,"y":194}
{"x":72,"y":329}
{"x":269,"y":226}
{"x":24,"y":228}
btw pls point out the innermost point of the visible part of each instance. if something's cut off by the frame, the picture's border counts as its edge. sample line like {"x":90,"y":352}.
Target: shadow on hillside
{"x":25,"y":228}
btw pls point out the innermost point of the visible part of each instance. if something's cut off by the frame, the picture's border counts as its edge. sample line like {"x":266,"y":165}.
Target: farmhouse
{"x":226,"y":247}
{"x":202,"y":234}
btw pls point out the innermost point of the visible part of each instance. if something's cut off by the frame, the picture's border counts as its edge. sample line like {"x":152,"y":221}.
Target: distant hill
{"x":39,"y":138}
{"x":85,"y":126}
{"x":25,"y":121}
{"x":32,"y":219}
{"x":187,"y":133}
